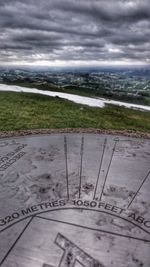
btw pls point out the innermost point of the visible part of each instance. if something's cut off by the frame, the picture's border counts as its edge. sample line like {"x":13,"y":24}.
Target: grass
{"x":21,"y":111}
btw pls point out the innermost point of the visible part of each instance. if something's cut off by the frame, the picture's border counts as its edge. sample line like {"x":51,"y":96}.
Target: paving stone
{"x":74,"y":200}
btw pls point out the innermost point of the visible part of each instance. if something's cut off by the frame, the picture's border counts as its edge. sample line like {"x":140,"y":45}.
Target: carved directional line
{"x":66,"y":160}
{"x":139,"y":189}
{"x":81,"y":153}
{"x":93,"y":229}
{"x":11,"y":248}
{"x":47,"y":265}
{"x":113,"y":150}
{"x":100,"y":166}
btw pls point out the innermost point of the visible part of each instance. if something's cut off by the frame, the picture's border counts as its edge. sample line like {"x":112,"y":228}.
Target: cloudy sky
{"x":74,"y":32}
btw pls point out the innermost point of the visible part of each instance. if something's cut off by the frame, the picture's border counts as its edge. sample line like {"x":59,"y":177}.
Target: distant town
{"x":132,"y":85}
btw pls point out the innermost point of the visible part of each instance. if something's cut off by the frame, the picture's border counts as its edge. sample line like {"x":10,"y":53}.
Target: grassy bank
{"x":20,"y":111}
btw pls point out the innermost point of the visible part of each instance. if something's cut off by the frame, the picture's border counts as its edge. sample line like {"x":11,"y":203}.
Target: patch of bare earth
{"x":74,"y":130}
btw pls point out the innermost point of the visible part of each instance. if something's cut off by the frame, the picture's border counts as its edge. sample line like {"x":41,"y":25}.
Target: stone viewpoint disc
{"x":74,"y":200}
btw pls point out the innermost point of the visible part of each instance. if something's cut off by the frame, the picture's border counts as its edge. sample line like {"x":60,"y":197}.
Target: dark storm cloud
{"x":71,"y":30}
{"x":109,"y":11}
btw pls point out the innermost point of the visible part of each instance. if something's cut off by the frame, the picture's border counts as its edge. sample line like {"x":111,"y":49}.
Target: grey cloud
{"x":74,"y":30}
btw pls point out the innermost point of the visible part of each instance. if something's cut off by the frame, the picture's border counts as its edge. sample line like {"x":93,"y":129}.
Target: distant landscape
{"x":33,"y":111}
{"x":124,"y":84}
{"x":92,"y":57}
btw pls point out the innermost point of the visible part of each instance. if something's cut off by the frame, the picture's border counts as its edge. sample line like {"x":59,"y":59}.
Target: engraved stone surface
{"x":74,"y":201}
